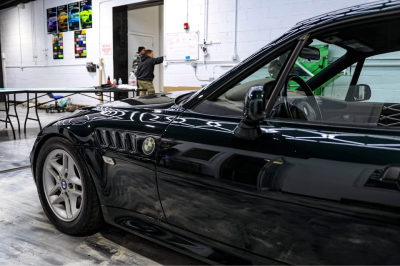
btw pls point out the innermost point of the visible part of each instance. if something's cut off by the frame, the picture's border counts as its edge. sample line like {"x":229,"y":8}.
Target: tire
{"x":89,"y":217}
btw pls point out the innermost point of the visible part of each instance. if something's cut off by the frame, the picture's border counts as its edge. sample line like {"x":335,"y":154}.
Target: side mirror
{"x":358,"y":93}
{"x":254,"y":113}
{"x":310,"y":53}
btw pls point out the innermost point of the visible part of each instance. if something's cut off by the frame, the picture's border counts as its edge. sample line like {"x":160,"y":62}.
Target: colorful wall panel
{"x":80,"y":44}
{"x":58,"y":47}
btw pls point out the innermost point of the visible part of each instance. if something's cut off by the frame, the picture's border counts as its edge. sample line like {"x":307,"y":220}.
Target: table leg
{"x":27,"y":111}
{"x":36,"y":110}
{"x":16,"y":114}
{"x":7,"y":104}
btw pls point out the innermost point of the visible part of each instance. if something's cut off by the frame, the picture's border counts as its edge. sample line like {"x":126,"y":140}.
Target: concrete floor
{"x":27,"y":237}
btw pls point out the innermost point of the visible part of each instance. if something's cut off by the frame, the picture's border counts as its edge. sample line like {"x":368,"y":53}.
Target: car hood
{"x":165,"y":98}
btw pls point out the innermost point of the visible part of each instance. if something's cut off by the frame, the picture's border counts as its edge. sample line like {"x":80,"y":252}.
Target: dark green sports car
{"x":256,"y":168}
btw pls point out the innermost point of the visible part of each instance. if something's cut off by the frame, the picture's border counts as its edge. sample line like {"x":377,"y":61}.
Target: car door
{"x":279,"y":196}
{"x":299,"y":193}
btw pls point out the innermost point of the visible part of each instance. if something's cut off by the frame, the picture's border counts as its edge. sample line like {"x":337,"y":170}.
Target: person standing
{"x":136,"y":59}
{"x":146,"y":72}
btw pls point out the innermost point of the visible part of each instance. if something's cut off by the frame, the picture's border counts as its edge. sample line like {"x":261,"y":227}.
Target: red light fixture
{"x":186,"y":26}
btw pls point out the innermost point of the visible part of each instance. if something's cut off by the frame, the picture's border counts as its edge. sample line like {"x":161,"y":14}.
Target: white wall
{"x":44,"y":72}
{"x":258,"y":22}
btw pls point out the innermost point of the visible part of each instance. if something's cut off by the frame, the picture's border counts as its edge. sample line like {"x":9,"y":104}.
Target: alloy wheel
{"x":62,"y":185}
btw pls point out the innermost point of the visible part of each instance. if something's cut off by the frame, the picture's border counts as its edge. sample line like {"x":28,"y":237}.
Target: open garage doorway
{"x":139,"y":24}
{"x":146,"y":28}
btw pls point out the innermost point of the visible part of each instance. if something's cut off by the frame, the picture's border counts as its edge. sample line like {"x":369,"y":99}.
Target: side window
{"x":343,"y":97}
{"x":381,"y":74}
{"x":231,"y":102}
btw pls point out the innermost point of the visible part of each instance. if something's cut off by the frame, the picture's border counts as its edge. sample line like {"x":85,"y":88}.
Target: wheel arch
{"x":38,"y":147}
{"x":67,"y":136}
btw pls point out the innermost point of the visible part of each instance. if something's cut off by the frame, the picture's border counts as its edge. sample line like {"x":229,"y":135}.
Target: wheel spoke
{"x":75,"y":180}
{"x":56,"y":166}
{"x":70,"y":168}
{"x":64,"y":164}
{"x":76,"y":192}
{"x":73,"y":201}
{"x":54,"y":190}
{"x":68,"y":207}
{"x":54,"y":174}
{"x":57,"y":200}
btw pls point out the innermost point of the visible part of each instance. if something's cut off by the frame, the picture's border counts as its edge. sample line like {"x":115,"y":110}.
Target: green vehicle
{"x":86,"y":16}
{"x":307,"y":68}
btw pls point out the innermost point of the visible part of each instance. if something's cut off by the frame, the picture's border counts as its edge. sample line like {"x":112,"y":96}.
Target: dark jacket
{"x":146,"y":67}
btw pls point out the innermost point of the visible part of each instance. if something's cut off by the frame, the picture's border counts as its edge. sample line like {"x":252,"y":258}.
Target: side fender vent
{"x":130,"y":141}
{"x":100,"y":138}
{"x":120,"y":140}
{"x":117,"y":140}
{"x":112,"y":139}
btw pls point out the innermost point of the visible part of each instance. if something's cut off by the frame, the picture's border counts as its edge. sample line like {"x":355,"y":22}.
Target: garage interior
{"x":222,"y":35}
{"x":27,"y":237}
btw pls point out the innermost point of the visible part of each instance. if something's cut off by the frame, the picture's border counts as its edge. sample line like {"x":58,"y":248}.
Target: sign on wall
{"x":73,"y":16}
{"x":80,"y":44}
{"x":106,"y":50}
{"x":86,"y":14}
{"x":58,"y":47}
{"x":52,"y":20}
{"x":62,"y":16}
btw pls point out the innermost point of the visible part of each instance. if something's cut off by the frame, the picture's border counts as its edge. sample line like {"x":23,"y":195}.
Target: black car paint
{"x":301,"y":193}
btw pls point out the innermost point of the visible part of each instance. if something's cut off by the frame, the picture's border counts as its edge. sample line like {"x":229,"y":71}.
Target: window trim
{"x":339,"y":126}
{"x":357,"y":72}
{"x":272,"y":121}
{"x":282,"y":76}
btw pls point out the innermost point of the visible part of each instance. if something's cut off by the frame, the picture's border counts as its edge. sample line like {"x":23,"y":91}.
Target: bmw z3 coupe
{"x":291,"y":157}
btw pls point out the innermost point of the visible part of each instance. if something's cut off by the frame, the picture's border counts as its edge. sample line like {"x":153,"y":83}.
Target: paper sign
{"x":106,"y":50}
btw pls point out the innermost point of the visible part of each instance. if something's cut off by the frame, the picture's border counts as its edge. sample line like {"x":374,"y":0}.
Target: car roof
{"x":346,"y":13}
